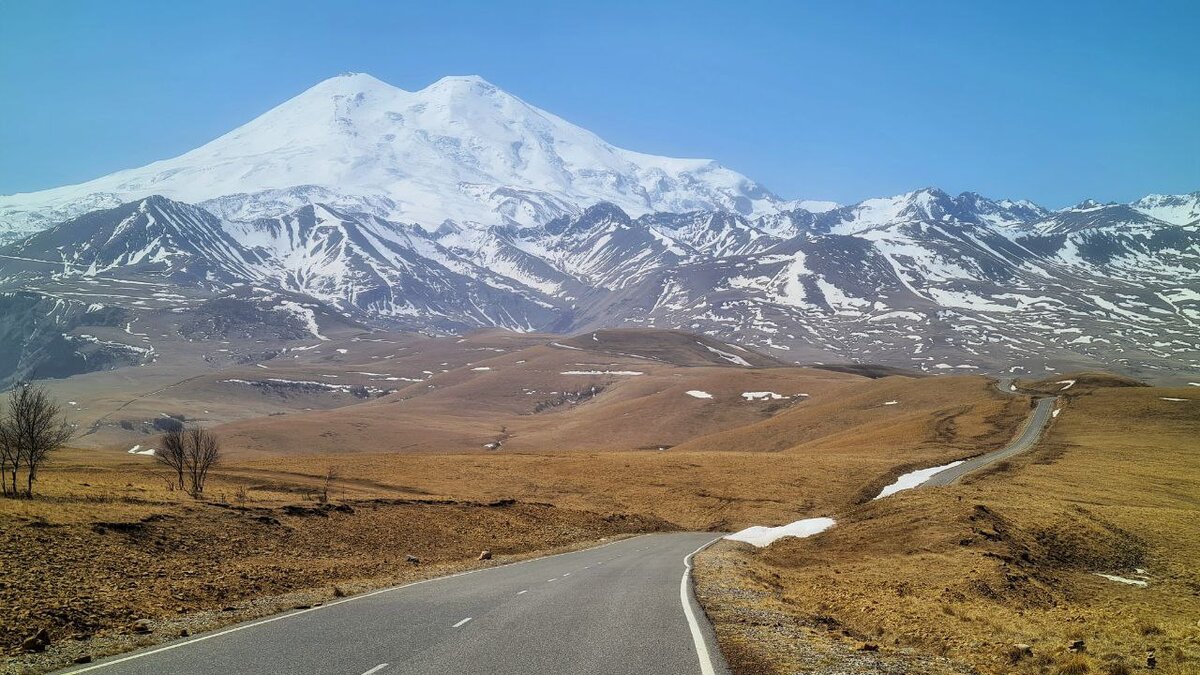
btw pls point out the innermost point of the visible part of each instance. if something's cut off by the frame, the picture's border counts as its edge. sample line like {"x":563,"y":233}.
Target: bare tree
{"x":34,"y":427}
{"x":331,"y":474}
{"x":172,"y":453}
{"x":202,"y":451}
{"x":10,"y":457}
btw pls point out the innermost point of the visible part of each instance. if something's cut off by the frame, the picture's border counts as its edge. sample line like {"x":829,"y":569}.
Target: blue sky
{"x":838,"y":100}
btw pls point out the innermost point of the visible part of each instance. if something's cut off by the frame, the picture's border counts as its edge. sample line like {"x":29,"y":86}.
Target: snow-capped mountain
{"x":151,"y":236}
{"x":1122,"y":240}
{"x":378,"y":271}
{"x":460,"y":149}
{"x":923,"y":280}
{"x":929,"y":205}
{"x":460,"y":206}
{"x":1175,"y":209}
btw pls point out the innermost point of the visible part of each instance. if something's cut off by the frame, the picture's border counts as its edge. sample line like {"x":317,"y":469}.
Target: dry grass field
{"x":106,"y":545}
{"x":522,"y":443}
{"x":549,"y":396}
{"x":820,"y":455}
{"x":954,"y":579}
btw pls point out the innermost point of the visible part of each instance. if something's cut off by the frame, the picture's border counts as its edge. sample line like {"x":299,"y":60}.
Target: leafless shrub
{"x":331,"y":475}
{"x":10,"y":458}
{"x":31,"y":428}
{"x":172,"y":454}
{"x":189,"y":452}
{"x":202,"y":451}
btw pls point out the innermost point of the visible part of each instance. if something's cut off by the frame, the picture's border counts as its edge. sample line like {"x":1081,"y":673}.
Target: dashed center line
{"x":554,"y":579}
{"x":567,"y":574}
{"x":458,"y":624}
{"x":523,"y":592}
{"x":376,"y":669}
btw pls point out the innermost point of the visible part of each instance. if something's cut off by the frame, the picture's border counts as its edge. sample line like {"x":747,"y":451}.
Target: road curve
{"x":621,"y":608}
{"x":1043,"y":412}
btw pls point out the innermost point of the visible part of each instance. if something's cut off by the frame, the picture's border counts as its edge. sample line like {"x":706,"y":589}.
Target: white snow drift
{"x":760,"y":536}
{"x":913,"y":479}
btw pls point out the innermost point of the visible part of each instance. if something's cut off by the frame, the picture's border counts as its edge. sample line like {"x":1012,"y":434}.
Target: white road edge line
{"x":289,"y":615}
{"x":706,"y":664}
{"x":376,"y":669}
{"x":461,"y":622}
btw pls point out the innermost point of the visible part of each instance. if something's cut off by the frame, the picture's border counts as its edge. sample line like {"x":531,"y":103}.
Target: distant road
{"x":624,"y":608}
{"x":1034,"y":425}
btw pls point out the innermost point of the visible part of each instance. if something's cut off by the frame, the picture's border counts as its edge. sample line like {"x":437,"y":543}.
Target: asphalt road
{"x":1034,"y":425}
{"x":622,"y":608}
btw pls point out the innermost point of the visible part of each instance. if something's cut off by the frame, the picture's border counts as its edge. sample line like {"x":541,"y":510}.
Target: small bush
{"x":1149,"y":629}
{"x":1074,"y":664}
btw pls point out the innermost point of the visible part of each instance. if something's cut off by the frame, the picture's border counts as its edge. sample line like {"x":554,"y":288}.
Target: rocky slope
{"x":460,"y":206}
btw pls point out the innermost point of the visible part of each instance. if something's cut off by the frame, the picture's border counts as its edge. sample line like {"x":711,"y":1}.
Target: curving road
{"x":1043,"y":412}
{"x":624,"y":608}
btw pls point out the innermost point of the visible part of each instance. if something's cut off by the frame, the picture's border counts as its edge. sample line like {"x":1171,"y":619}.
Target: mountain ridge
{"x":460,"y":149}
{"x":937,"y":284}
{"x":460,"y":206}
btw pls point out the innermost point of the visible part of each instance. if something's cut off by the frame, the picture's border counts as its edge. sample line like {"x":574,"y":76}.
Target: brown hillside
{"x":961,"y":574}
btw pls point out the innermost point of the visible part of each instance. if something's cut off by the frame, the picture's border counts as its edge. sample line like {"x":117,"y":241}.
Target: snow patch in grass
{"x":760,"y":536}
{"x":305,"y":314}
{"x":764,"y":396}
{"x":732,"y":358}
{"x":1168,"y":398}
{"x":137,"y":450}
{"x":559,"y":344}
{"x":300,"y":349}
{"x":914,"y":478}
{"x":481,"y":369}
{"x":601,"y":372}
{"x":1123,"y":580}
{"x":696,"y":393}
{"x":359,"y":391}
{"x":891,"y":402}
{"x":1067,"y":384}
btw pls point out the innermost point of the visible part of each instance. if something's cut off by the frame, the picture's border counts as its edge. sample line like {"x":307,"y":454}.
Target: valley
{"x":523,"y":443}
{"x":1076,"y":555}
